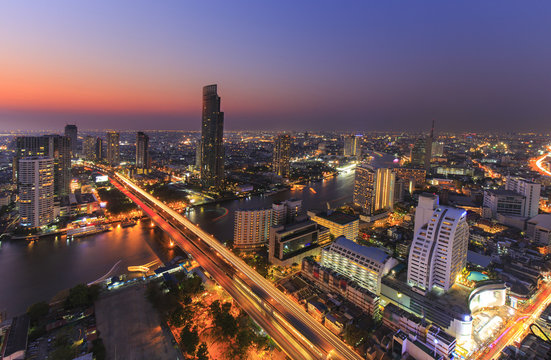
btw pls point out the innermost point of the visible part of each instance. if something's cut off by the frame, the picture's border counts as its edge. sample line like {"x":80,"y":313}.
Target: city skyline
{"x":396,"y":66}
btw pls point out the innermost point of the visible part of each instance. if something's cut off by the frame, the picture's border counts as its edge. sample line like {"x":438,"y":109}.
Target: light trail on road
{"x":540,"y":165}
{"x":519,"y":324}
{"x":302,"y":327}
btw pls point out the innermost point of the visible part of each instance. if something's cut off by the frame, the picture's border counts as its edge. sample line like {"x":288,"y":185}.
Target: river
{"x":31,"y":272}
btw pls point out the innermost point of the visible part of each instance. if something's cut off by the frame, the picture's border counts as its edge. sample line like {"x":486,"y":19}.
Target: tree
{"x":38,"y":311}
{"x":226,"y":324}
{"x":354,"y":335}
{"x":180,"y":316}
{"x":189,"y":339}
{"x":82,"y":296}
{"x":202,"y":352}
{"x":98,"y":349}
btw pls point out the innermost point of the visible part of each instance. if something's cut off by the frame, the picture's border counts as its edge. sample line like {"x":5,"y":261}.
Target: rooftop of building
{"x":17,"y":336}
{"x":543,"y":220}
{"x":455,"y":300}
{"x":504,"y":192}
{"x":337,"y":217}
{"x":369,"y":252}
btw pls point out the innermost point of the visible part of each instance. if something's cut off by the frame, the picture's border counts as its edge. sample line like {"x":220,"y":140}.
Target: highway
{"x":297,"y":333}
{"x":540,"y":166}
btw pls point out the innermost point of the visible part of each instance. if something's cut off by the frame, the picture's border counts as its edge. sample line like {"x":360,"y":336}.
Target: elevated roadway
{"x":296,"y":332}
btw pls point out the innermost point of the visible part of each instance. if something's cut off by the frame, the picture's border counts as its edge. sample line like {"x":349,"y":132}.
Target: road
{"x":297,"y":333}
{"x":540,"y":167}
{"x":517,"y":327}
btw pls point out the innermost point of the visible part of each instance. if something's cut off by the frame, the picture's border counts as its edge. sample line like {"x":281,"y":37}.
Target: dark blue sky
{"x":357,"y":65}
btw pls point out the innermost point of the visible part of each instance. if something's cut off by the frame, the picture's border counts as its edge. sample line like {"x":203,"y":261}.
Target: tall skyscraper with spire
{"x":428,"y":150}
{"x":211,"y":152}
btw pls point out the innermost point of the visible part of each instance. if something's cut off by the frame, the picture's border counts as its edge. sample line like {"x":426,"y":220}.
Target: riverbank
{"x":39,"y":270}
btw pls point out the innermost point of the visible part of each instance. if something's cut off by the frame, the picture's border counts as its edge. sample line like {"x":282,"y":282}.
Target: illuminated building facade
{"x":352,"y":145}
{"x":36,"y":191}
{"x":252,"y":228}
{"x":89,"y":148}
{"x":282,"y":155}
{"x":374,"y":188}
{"x":53,"y":146}
{"x":438,"y":252}
{"x":338,"y":223}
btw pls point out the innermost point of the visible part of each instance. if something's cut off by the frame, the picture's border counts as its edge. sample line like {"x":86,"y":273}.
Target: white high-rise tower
{"x":439,"y":249}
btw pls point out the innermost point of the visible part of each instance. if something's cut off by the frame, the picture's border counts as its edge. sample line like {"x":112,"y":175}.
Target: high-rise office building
{"x":531,"y":190}
{"x":113,"y":151}
{"x":373,"y":188}
{"x":61,"y":152}
{"x":53,"y":146}
{"x":418,"y":152}
{"x":142,"y":151}
{"x":421,"y":153}
{"x":36,"y":190}
{"x":211,"y":151}
{"x":99,"y":149}
{"x":352,"y":145}
{"x":71,"y":132}
{"x":438,"y":252}
{"x":89,"y":148}
{"x":282,"y":155}
{"x":252,"y":228}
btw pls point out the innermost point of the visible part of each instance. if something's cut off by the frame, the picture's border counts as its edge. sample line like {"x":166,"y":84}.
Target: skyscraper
{"x":71,"y":131}
{"x":61,"y":152}
{"x":89,"y":148}
{"x":142,"y":151}
{"x":53,"y":146}
{"x":36,"y":191}
{"x":352,"y":145}
{"x":428,"y":150}
{"x":113,"y":152}
{"x":421,"y":153}
{"x":99,"y":149}
{"x":373,"y":188}
{"x":282,"y":155}
{"x":439,"y":249}
{"x":211,"y":150}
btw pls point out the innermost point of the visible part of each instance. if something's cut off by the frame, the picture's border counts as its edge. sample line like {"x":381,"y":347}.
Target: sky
{"x":279,"y":65}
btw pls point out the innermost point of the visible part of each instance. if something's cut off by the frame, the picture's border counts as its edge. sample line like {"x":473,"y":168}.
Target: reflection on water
{"x":36,"y":271}
{"x":218,"y":219}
